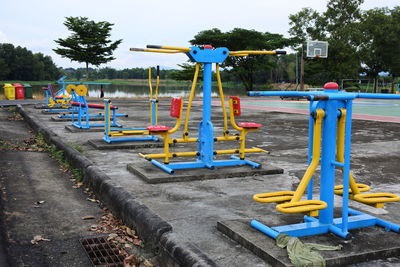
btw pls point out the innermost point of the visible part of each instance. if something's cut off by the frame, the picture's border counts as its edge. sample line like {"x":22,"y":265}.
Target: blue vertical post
{"x":106,"y":118}
{"x":328,"y":156}
{"x":346,"y":168}
{"x":153,"y":112}
{"x":206,"y":129}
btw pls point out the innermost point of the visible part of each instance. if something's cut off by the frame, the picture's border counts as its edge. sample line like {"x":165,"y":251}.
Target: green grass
{"x":30,"y":82}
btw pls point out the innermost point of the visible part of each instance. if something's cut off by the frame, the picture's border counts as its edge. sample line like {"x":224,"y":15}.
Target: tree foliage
{"x":339,"y":26}
{"x":88,"y":43}
{"x":18,"y":63}
{"x":245,"y":68}
{"x":359,"y":41}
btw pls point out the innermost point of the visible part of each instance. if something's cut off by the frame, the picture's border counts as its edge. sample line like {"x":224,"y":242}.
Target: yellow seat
{"x":281,"y":196}
{"x":361,"y":188}
{"x":376,"y":200}
{"x":309,"y":207}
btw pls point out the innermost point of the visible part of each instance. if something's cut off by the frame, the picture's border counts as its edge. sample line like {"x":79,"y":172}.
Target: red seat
{"x":92,"y":105}
{"x":249,"y":125}
{"x":158,"y":128}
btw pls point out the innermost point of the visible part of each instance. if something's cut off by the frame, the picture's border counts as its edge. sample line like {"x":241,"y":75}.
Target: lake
{"x":127,"y":91}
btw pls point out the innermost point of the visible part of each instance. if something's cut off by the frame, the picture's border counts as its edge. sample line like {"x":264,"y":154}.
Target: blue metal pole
{"x":106,"y":119}
{"x":264,"y":229}
{"x":346,"y":169}
{"x":328,"y":156}
{"x":206,"y":129}
{"x":153,"y":112}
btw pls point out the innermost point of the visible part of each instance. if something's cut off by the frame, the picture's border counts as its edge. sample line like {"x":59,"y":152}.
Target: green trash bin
{"x":28,"y":91}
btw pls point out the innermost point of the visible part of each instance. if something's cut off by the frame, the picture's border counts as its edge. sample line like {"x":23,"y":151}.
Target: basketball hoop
{"x":317,"y":49}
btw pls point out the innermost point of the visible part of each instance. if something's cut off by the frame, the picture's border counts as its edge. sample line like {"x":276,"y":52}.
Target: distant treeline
{"x":18,"y":63}
{"x":285,"y":71}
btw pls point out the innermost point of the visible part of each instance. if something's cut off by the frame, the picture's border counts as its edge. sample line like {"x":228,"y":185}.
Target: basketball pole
{"x":302,"y":68}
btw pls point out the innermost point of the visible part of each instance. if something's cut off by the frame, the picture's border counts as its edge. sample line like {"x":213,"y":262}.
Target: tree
{"x":392,"y":50}
{"x":244,"y":68}
{"x":375,"y":40}
{"x":186,"y":74}
{"x":88,"y":43}
{"x":339,"y":25}
{"x":18,"y":63}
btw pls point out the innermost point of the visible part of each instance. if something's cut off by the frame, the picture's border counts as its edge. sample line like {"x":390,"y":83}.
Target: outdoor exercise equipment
{"x":59,"y":101}
{"x":329,"y":146}
{"x":80,"y":112}
{"x":206,"y":153}
{"x":110,"y":134}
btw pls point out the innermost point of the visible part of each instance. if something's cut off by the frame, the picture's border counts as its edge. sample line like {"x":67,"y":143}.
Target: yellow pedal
{"x":274,"y":197}
{"x":362,"y":187}
{"x":376,"y":200}
{"x":310,"y":207}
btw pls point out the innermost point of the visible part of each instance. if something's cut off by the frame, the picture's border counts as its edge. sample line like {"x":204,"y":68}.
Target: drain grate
{"x":101,"y":252}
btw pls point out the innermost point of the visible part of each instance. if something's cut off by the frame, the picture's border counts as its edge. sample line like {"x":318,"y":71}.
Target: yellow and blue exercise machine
{"x":206,"y":55}
{"x":329,"y":146}
{"x":59,"y":101}
{"x":111,"y":135}
{"x":80,"y":110}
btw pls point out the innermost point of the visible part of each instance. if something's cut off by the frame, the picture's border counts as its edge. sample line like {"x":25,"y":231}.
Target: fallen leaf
{"x":148,"y":263}
{"x":128,"y":246}
{"x":37,"y":238}
{"x":137,"y":242}
{"x":111,"y":236}
{"x":131,"y":261}
{"x":92,"y":199}
{"x":88,"y":217}
{"x":130,"y":232}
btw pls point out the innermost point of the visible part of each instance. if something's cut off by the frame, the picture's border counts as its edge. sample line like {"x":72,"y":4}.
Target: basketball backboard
{"x":317,"y":48}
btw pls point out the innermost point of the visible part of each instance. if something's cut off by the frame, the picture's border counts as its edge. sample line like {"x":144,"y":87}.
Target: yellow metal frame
{"x":376,"y":200}
{"x":243,"y":132}
{"x":167,"y":140}
{"x":354,"y":187}
{"x":185,"y":135}
{"x":292,"y":200}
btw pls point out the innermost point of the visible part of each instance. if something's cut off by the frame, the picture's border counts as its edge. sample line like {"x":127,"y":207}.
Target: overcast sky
{"x":35,"y":24}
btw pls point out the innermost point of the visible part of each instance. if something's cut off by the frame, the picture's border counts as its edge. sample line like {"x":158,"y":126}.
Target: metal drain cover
{"x":101,"y":252}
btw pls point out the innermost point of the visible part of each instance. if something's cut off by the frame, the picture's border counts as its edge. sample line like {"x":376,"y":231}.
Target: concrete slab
{"x":154,"y":175}
{"x":56,"y":118}
{"x":41,"y":106}
{"x":102,"y":145}
{"x":55,"y":112}
{"x":74,"y":129}
{"x":363,"y":247}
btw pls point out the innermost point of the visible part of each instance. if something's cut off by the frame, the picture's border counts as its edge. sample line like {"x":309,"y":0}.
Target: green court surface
{"x":365,"y":109}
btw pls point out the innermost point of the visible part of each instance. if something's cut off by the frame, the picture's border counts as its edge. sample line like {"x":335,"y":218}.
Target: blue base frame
{"x":312,"y":226}
{"x":110,"y":140}
{"x":235,"y":161}
{"x":58,"y":110}
{"x":84,"y":126}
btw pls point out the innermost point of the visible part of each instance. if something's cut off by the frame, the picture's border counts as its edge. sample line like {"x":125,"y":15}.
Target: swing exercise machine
{"x":329,"y":146}
{"x":111,"y":135}
{"x":206,"y":153}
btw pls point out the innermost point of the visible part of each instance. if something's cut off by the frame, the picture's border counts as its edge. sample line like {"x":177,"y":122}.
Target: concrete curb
{"x":152,"y":229}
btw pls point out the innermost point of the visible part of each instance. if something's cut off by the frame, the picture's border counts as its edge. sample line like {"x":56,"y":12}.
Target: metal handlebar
{"x":176,"y":49}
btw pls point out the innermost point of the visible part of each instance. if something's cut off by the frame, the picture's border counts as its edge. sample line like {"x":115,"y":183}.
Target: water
{"x":127,"y":91}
